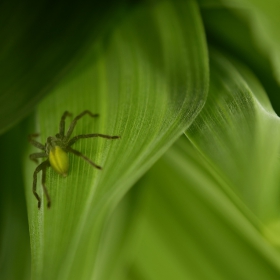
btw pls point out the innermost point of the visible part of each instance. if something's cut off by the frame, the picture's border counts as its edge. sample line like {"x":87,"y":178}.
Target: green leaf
{"x":244,"y":148}
{"x":265,"y":21}
{"x":246,"y":132}
{"x":148,"y":85}
{"x":40,"y":43}
{"x":242,"y":43}
{"x":209,"y":207}
{"x":14,"y":235}
{"x":188,"y":227}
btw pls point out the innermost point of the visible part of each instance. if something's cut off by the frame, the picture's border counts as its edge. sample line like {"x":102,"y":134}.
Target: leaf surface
{"x":40,"y":43}
{"x":209,"y":208}
{"x":148,"y":85}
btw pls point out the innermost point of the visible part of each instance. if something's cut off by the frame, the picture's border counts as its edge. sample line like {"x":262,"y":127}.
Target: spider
{"x":56,"y":149}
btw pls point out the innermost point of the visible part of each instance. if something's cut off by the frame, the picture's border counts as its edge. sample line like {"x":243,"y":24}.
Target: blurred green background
{"x":192,"y":188}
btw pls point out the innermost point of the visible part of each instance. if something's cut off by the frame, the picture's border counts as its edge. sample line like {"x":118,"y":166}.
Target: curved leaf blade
{"x":147,"y":93}
{"x":186,"y":222}
{"x":245,"y":132}
{"x":40,"y":43}
{"x":212,"y":201}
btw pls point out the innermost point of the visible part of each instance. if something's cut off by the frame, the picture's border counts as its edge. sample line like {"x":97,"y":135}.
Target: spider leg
{"x":62,"y":123}
{"x":35,"y":156}
{"x":44,"y":185}
{"x":40,"y":167}
{"x":79,"y":154}
{"x":76,"y":138}
{"x":74,"y":122}
{"x":34,"y":142}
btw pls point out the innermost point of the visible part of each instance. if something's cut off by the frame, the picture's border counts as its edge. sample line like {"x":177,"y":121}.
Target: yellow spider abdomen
{"x":59,"y":160}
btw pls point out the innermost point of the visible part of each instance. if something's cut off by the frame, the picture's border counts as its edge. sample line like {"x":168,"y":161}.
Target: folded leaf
{"x":209,"y":208}
{"x":188,"y":227}
{"x":245,"y":132}
{"x":147,"y":85}
{"x":40,"y":43}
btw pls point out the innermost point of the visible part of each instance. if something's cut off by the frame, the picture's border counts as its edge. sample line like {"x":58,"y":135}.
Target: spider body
{"x":59,"y":161}
{"x":56,"y":151}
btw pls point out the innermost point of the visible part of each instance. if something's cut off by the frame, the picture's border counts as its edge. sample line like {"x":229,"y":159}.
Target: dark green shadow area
{"x":14,"y":236}
{"x":235,"y":37}
{"x":41,"y":41}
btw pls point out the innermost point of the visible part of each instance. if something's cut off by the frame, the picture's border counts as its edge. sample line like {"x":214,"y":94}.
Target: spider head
{"x":52,"y":142}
